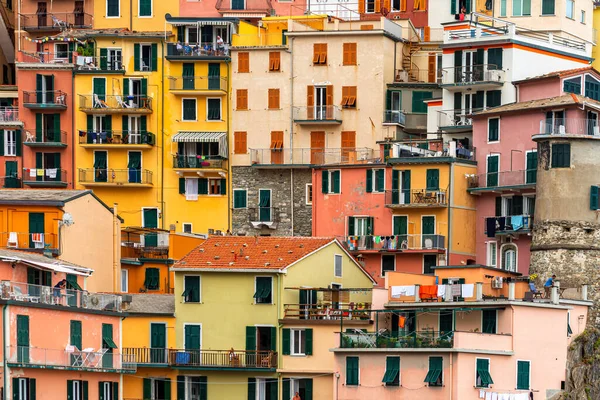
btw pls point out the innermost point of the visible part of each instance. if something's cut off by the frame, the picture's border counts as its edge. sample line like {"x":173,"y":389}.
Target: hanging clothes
{"x":491,"y":227}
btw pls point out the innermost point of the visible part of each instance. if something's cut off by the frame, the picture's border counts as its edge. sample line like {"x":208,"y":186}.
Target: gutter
{"x":5,"y":328}
{"x":162,"y":133}
{"x":246,"y":270}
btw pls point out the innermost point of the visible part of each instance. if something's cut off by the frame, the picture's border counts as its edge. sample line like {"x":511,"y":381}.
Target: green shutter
{"x":352,"y":371}
{"x":523,"y":375}
{"x":503,"y":8}
{"x":154,"y":56}
{"x":84,"y":389}
{"x":493,"y":125}
{"x":369,"y":180}
{"x":2,"y":142}
{"x":56,"y":137}
{"x":561,"y":155}
{"x":125,"y":125}
{"x":273,"y":338}
{"x":203,"y":186}
{"x":239,"y":198}
{"x":147,"y":389}
{"x":181,"y":185}
{"x":76,"y":334}
{"x":308,"y":345}
{"x":251,"y":388}
{"x":69,"y":389}
{"x":136,"y":57}
{"x":167,"y":382}
{"x":103,"y":59}
{"x":285,"y":341}
{"x":143,"y":124}
{"x":308,"y":389}
{"x":483,"y":372}
{"x":406,"y":186}
{"x":39,"y":95}
{"x":435,"y":370}
{"x":395,"y":186}
{"x":203,"y":381}
{"x":489,"y":321}
{"x":286,"y":392}
{"x":493,"y":98}
{"x":492,"y":171}
{"x":495,"y":58}
{"x":180,"y":387}
{"x":23,"y":338}
{"x":15,"y":388}
{"x":250,"y":338}
{"x":125,"y":87}
{"x":99,"y":87}
{"x":594,"y":198}
{"x":272,"y":388}
{"x":144,"y":86}
{"x":526,"y":7}
{"x":547,"y":7}
{"x":335,"y":181}
{"x":115,"y":390}
{"x":370,"y":221}
{"x":325,"y":181}
{"x":453,"y":7}
{"x":350,"y":226}
{"x":145,"y":8}
{"x":418,"y":106}
{"x":400,"y":225}
{"x":223,"y":186}
{"x":32,"y":389}
{"x":468,"y":6}
{"x":433,"y":179}
{"x":517,"y":7}
{"x":392,"y":370}
{"x":380,"y":180}
{"x":39,"y":127}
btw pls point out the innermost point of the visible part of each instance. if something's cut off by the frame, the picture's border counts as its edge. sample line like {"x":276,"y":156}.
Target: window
{"x":375,"y":180}
{"x":194,"y":386}
{"x":569,"y":330}
{"x":263,"y":287}
{"x":531,"y":162}
{"x":112,"y":10}
{"x":61,"y":51}
{"x":571,"y":9}
{"x":489,"y":321}
{"x":509,"y":257}
{"x":240,"y":198}
{"x":298,"y":342}
{"x":191,"y":286}
{"x":145,"y":8}
{"x":349,"y":96}
{"x":429,"y":262}
{"x":10,"y":143}
{"x":493,"y":98}
{"x":388,"y":263}
{"x":77,"y":390}
{"x":213,"y":109}
{"x":216,"y":186}
{"x":418,"y":101}
{"x":189,"y":187}
{"x":592,"y":87}
{"x":192,"y":337}
{"x":187,"y":227}
{"x":483,"y":379}
{"x":124,"y":280}
{"x":304,"y":388}
{"x":572,"y":85}
{"x":189,"y":110}
{"x":360,"y":226}
{"x":582,"y":17}
{"x":337,"y":272}
{"x":392,"y":371}
{"x":493,"y":163}
{"x":23,"y":389}
{"x":309,"y":194}
{"x":331,"y":181}
{"x":320,"y":54}
{"x":240,"y":142}
{"x":349,"y":55}
{"x":521,"y":7}
{"x":108,"y":345}
{"x":274,"y":99}
{"x":243,"y":62}
{"x":434,"y":375}
{"x":421,"y":5}
{"x":274,"y":61}
{"x":370,"y":6}
{"x":156,"y":388}
{"x":561,"y":155}
{"x":594,"y":195}
{"x":548,"y":7}
{"x":432,"y":179}
{"x":352,"y":371}
{"x":503,"y":8}
{"x":147,"y":55}
{"x":493,"y":130}
{"x":276,"y":147}
{"x":523,"y":371}
{"x":492,"y":249}
{"x":241,"y":99}
{"x":152,"y":280}
{"x":262,"y":389}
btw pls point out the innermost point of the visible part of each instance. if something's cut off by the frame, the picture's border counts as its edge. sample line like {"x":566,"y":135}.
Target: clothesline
{"x":504,"y":395}
{"x":434,"y":291}
{"x":35,"y":172}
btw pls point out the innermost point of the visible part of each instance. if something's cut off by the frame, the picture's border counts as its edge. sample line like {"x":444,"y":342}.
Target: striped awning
{"x":189,"y":136}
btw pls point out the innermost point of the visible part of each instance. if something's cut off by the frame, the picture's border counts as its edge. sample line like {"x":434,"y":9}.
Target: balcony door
{"x":317,"y":147}
{"x":79,"y":14}
{"x":307,"y":302}
{"x":427,"y":231}
{"x":150,"y":220}
{"x":135,"y":128}
{"x":42,"y":14}
{"x":320,"y":102}
{"x":158,"y":343}
{"x":264,"y":205}
{"x":114,"y":61}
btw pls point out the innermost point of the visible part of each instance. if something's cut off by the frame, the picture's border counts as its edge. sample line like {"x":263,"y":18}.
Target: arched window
{"x":509,"y":257}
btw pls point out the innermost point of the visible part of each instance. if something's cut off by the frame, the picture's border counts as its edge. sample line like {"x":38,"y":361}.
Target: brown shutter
{"x":386,"y":5}
{"x":377,"y":6}
{"x":241,"y":99}
{"x":351,"y":91}
{"x":276,"y":147}
{"x":317,"y":147}
{"x":431,"y":72}
{"x":310,"y":101}
{"x":243,"y":62}
{"x":427,"y":34}
{"x":273,"y":99}
{"x":329,"y":101}
{"x":403,"y":5}
{"x":316,"y":53}
{"x":353,"y":57}
{"x":345,"y":55}
{"x":344,"y":95}
{"x":361,"y":6}
{"x":274,"y":61}
{"x":240,"y":143}
{"x":348,"y":145}
{"x":344,"y":296}
{"x":323,"y":56}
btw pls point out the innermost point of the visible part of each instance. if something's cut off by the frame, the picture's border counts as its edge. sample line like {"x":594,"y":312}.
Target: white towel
{"x":398,"y":291}
{"x":442,"y":293}
{"x":32,"y":173}
{"x":51,"y":173}
{"x":467,"y":290}
{"x":410,"y":290}
{"x":522,"y":396}
{"x":488,"y":395}
{"x":481,"y":392}
{"x":494,"y":396}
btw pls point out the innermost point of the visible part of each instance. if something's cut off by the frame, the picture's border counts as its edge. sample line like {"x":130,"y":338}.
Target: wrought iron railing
{"x":393,"y":242}
{"x":135,"y":176}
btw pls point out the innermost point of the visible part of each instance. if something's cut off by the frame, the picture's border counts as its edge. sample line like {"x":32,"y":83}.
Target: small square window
{"x":309,"y":194}
{"x":187,"y":227}
{"x":561,"y":155}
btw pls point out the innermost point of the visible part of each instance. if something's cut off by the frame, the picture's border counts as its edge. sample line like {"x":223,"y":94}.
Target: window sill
{"x":494,"y":142}
{"x":214,"y":120}
{"x":297,"y":355}
{"x":547,"y":15}
{"x":521,"y":16}
{"x":572,"y":19}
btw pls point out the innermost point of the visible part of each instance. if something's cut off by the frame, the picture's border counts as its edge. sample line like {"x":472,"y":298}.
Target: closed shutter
{"x":286,"y":392}
{"x":325,"y":182}
{"x":241,"y":99}
{"x":147,"y":389}
{"x":243,"y":62}
{"x":239,"y":199}
{"x":418,"y":105}
{"x":433,"y":179}
{"x":286,"y":341}
{"x":492,"y":171}
{"x":240,"y":145}
{"x":453,"y":7}
{"x":310,"y":102}
{"x":22,"y":338}
{"x":369,"y":180}
{"x":76,"y":335}
{"x":406,"y":186}
{"x":523,"y":375}
{"x":400,"y":225}
{"x":203,"y":186}
{"x":189,"y":109}
{"x":308,"y":345}
{"x":350,"y":226}
{"x":395,"y":186}
{"x":99,"y":87}
{"x":273,"y":99}
{"x":192,"y":337}
{"x":495,"y":58}
{"x":352,"y":371}
{"x":136,"y":57}
{"x":548,"y":7}
{"x":561,"y":155}
{"x":361,"y":6}
{"x":84,"y":390}
{"x":380,"y":180}
{"x":489,"y":321}
{"x":181,"y":387}
{"x":335,"y":181}
{"x":493,"y":98}
{"x":532,"y":162}
{"x":181,"y":185}
{"x":493,"y":127}
{"x":223,"y":186}
{"x":39,"y":127}
{"x":431,"y":65}
{"x":251,"y":388}
{"x":103,"y":59}
{"x":478,"y":101}
{"x":250,"y":338}
{"x":145,"y":8}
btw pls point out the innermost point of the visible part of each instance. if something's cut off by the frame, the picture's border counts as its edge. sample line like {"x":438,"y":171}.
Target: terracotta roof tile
{"x":564,"y":100}
{"x":248,"y":252}
{"x":559,"y":74}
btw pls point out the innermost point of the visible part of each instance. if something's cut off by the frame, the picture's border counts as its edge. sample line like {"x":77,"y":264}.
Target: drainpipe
{"x":450,"y":205}
{"x":292,"y":197}
{"x":162,"y":133}
{"x":229,"y":166}
{"x":131,"y":15}
{"x":72,"y":129}
{"x":451,"y":377}
{"x":116,"y":245}
{"x":6,"y":332}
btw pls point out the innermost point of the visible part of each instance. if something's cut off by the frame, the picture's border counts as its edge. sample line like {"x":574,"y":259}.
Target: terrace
{"x":430,"y":148}
{"x":49,"y":138}
{"x":111,"y":139}
{"x":390,"y":243}
{"x":45,"y":100}
{"x":310,"y":156}
{"x":416,"y":198}
{"x":30,"y":241}
{"x":317,"y":115}
{"x":144,"y":243}
{"x":45,"y":22}
{"x":502,"y":181}
{"x":9,"y":116}
{"x":45,"y":177}
{"x":478,"y":77}
{"x":130,"y":177}
{"x":115,"y":104}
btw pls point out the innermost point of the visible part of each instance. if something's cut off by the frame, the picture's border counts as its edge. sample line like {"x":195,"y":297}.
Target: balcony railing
{"x":55,"y":21}
{"x":472,"y":74}
{"x":431,"y":148}
{"x":100,"y":63}
{"x":316,"y":114}
{"x":48,"y":138}
{"x":197,"y":161}
{"x":116,"y":138}
{"x":394,"y":242}
{"x":570,"y":126}
{"x":9,"y":114}
{"x":416,"y":198}
{"x":125,"y":104}
{"x":359,"y":155}
{"x":47,"y":57}
{"x":145,"y":355}
{"x":327,"y":311}
{"x":191,"y":83}
{"x":510,"y":224}
{"x":416,"y":340}
{"x":263,"y":214}
{"x":26,"y":240}
{"x":503,"y":179}
{"x":223,"y":358}
{"x":208,"y":49}
{"x":118,"y":177}
{"x":394,"y":117}
{"x":44,"y":175}
{"x":45,"y":99}
{"x":456,"y":119}
{"x":11,"y":182}
{"x":25,"y":292}
{"x":316,"y":156}
{"x":69,"y":357}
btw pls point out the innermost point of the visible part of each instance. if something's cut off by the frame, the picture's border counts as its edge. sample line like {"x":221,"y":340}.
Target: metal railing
{"x":472,"y":74}
{"x":27,"y":240}
{"x":145,"y":355}
{"x":345,"y":156}
{"x":32,"y":175}
{"x":394,"y":117}
{"x":116,"y":137}
{"x":417,"y":197}
{"x":413,"y":75}
{"x":100,"y":63}
{"x":223,"y":358}
{"x":328,"y":311}
{"x":26,"y":292}
{"x":197,"y":161}
{"x":115,"y":102}
{"x":503,"y":178}
{"x":570,"y":126}
{"x":456,"y":118}
{"x":116,"y":176}
{"x":46,"y":98}
{"x":425,"y":339}
{"x":393,"y":242}
{"x":9,"y":114}
{"x":318,"y":113}
{"x":431,"y":148}
{"x":139,"y":250}
{"x":48,"y":137}
{"x":263,"y":214}
{"x":198,"y":83}
{"x":46,"y":57}
{"x":69,"y":357}
{"x":204,"y":49}
{"x":511,"y":223}
{"x":307,"y":156}
{"x":55,"y":21}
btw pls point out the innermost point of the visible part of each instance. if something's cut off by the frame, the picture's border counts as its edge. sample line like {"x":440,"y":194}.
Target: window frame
{"x":489,"y":372}
{"x":308,"y":189}
{"x":374,"y":180}
{"x":582,"y":17}
{"x":330,"y":181}
{"x":572,"y":2}
{"x":357,"y":368}
{"x":240,"y":190}
{"x":183,"y":100}
{"x":492,"y":263}
{"x":193,"y":324}
{"x":10,"y":144}
{"x":220,"y":109}
{"x":270,"y":294}
{"x":209,"y":186}
{"x":497,"y":133}
{"x":113,"y":16}
{"x":335,"y":258}
{"x":542,"y":10}
{"x":151,"y":10}
{"x":521,"y":14}
{"x":302,"y":340}
{"x":199,"y":289}
{"x":381,"y":268}
{"x":351,"y":51}
{"x":183,"y":224}
{"x":272,"y":92}
{"x":56,"y":51}
{"x":397,"y":382}
{"x":237,"y":97}
{"x":125,"y":273}
{"x":512,"y":247}
{"x":274,"y":61}
{"x":441,"y":377}
{"x":495,"y":333}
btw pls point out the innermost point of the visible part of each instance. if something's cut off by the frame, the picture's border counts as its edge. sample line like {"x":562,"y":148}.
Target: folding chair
{"x":99,"y":103}
{"x":121,"y":103}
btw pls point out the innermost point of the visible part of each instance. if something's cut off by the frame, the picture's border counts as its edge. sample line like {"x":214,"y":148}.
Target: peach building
{"x":460,"y":334}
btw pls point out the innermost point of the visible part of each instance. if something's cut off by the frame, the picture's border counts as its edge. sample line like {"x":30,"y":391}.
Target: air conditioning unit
{"x":497,"y":282}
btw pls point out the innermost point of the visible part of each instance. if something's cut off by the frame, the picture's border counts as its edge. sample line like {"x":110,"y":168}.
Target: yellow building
{"x":238,"y":300}
{"x":595,"y":51}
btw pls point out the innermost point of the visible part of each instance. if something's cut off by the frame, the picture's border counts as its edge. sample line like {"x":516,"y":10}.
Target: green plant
{"x":86,"y":51}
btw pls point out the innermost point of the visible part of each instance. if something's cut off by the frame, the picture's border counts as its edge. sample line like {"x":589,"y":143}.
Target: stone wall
{"x":279,"y":181}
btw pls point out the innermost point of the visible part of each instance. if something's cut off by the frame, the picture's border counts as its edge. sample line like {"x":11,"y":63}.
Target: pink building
{"x":243,"y":9}
{"x":63,"y":341}
{"x":507,"y":158}
{"x":478,"y":336}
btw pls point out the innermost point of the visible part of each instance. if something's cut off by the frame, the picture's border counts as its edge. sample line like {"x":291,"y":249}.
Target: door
{"x":75,"y":339}
{"x":42,"y":14}
{"x":492,"y":170}
{"x":22,"y":338}
{"x":192,"y":343}
{"x":188,"y":76}
{"x":214,"y":76}
{"x":401,"y":230}
{"x":395,"y":106}
{"x":158,"y":343}
{"x":335,"y":296}
{"x":99,"y":88}
{"x":12,"y":176}
{"x":79,"y":15}
{"x":150,"y":221}
{"x":307,"y":303}
{"x":135,"y":167}
{"x":429,"y":260}
{"x":72,"y":286}
{"x":264,"y":205}
{"x":114,"y":60}
{"x":531,"y":173}
{"x":446,"y":322}
{"x":107,"y":343}
{"x":36,"y":225}
{"x":277,"y":147}
{"x":100,"y":166}
{"x":317,"y":147}
{"x":428,"y":231}
{"x":134,"y":136}
{"x":592,"y":123}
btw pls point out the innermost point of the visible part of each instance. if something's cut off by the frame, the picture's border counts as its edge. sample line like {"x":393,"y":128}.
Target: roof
{"x":560,"y":74}
{"x":40,"y":261}
{"x":558,"y":101}
{"x":143,"y":303}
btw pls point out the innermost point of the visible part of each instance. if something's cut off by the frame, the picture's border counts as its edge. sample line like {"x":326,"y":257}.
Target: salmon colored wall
{"x":405,"y":262}
{"x":52,"y":384}
{"x":19,"y":275}
{"x":539,"y":89}
{"x":577,"y":318}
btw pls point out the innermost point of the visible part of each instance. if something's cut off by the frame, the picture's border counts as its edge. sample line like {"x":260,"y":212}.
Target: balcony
{"x":46,"y":57}
{"x":45,"y":100}
{"x":102,"y":64}
{"x":570,"y":126}
{"x":502,"y":181}
{"x":401,"y":243}
{"x":11,"y":182}
{"x":235,"y":360}
{"x":44,"y":177}
{"x":303,"y":158}
{"x":409,"y":149}
{"x":328,"y":312}
{"x":55,"y":22}
{"x":116,"y":140}
{"x":318,"y":115}
{"x":132,"y":177}
{"x":198,"y":162}
{"x":263,"y":216}
{"x":9,"y":116}
{"x":509,"y":225}
{"x":144,"y":243}
{"x":456,"y":121}
{"x":198,"y":85}
{"x":114,"y":104}
{"x":30,"y":241}
{"x":199,"y":51}
{"x":416,"y":198}
{"x":426,"y":339}
{"x":479,"y":77}
{"x":46,"y":139}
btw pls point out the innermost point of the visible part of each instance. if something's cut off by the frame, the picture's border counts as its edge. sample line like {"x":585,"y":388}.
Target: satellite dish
{"x":67,"y":219}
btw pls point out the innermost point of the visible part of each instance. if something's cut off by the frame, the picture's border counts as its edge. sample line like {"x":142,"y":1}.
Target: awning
{"x":56,"y":266}
{"x":204,"y":137}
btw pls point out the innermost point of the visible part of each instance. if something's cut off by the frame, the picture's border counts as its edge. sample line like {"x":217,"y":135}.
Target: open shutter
{"x":406,"y":186}
{"x":350,"y":226}
{"x":32,"y":394}
{"x":115,"y":390}
{"x":154,"y":57}
{"x":285,"y":341}
{"x":101,"y":391}
{"x":308,"y":389}
{"x":325,"y":182}
{"x":308,"y":345}
{"x":147,"y":389}
{"x":56,"y":137}
{"x":136,"y":57}
{"x":69,"y":390}
{"x":274,"y":339}
{"x":370,"y":222}
{"x":181,"y":185}
{"x":144,"y":86}
{"x":85,"y":390}
{"x":39,"y":95}
{"x":433,"y":179}
{"x":369,"y":180}
{"x":335,"y":181}
{"x":380,"y":180}
{"x":453,"y":7}
{"x":103,"y":59}
{"x":251,"y":388}
{"x":203,"y":186}
{"x":167,"y":382}
{"x":395,"y":186}
{"x":361,"y":6}
{"x":180,"y":387}
{"x":223,"y":186}
{"x":310,"y":101}
{"x":250,"y":338}
{"x":286,"y":392}
{"x":18,"y":142}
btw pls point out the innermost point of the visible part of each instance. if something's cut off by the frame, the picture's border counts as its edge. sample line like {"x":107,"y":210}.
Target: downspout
{"x":449,"y":224}
{"x":451,"y":377}
{"x":5,"y":328}
{"x":292,"y":131}
{"x":292,"y":197}
{"x":395,"y":55}
{"x":162,"y":133}
{"x":72,"y":128}
{"x":131,"y":15}
{"x":229,"y":166}
{"x":116,"y":246}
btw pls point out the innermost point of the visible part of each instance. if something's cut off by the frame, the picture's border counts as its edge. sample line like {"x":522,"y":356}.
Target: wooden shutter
{"x":243,"y":62}
{"x":349,"y":54}
{"x":377,"y":6}
{"x":250,"y":338}
{"x":251,"y":388}
{"x":273,"y":99}
{"x":329,"y":101}
{"x":240,"y":143}
{"x":325,"y":182}
{"x":323,"y":55}
{"x":136,"y":57}
{"x":336,"y":181}
{"x":241,"y":102}
{"x":433,"y":179}
{"x":523,"y":375}
{"x":369,"y":180}
{"x":351,"y":96}
{"x":316,"y":52}
{"x":387,"y":5}
{"x":274,"y":61}
{"x":361,"y":6}
{"x":308,"y":345}
{"x":154,"y":66}
{"x":310,"y":102}
{"x":317,"y":147}
{"x":180,"y":387}
{"x":431,"y":69}
{"x":285,"y":341}
{"x":348,"y":145}
{"x":276,"y":147}
{"x":352,"y":371}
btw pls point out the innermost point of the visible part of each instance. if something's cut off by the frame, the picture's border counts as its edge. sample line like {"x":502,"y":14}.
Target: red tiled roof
{"x":560,"y":74}
{"x":569,"y":99}
{"x":248,"y":252}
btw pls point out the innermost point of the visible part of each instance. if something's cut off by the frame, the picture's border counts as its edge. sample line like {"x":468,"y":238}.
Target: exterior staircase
{"x":407,"y":65}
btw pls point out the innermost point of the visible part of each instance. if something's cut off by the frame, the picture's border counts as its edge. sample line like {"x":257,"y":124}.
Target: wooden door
{"x":317,"y":147}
